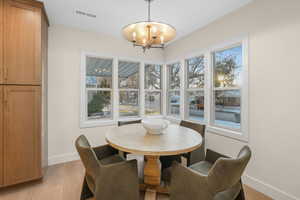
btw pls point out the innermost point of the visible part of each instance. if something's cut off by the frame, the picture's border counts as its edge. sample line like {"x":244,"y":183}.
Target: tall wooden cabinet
{"x":23,"y":65}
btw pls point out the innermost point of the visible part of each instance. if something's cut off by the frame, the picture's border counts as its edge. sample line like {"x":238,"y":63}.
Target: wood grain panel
{"x":44,"y":90}
{"x":1,"y":135}
{"x":1,"y":40}
{"x":22,"y":134}
{"x":22,"y":43}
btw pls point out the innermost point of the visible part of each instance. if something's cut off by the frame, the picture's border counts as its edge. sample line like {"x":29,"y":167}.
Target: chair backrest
{"x":198,"y":154}
{"x":87,"y":156}
{"x":122,"y":123}
{"x":196,"y":127}
{"x":226,"y":172}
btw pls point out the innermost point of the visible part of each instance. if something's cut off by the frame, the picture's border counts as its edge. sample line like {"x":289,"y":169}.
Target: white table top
{"x":134,"y":139}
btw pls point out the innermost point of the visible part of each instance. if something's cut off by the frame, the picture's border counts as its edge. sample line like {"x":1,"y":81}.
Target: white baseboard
{"x":53,"y":160}
{"x":267,"y":189}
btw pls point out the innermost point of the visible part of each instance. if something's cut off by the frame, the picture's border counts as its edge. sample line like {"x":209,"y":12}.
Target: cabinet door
{"x":1,"y":40}
{"x":22,"y":43}
{"x":1,"y":135}
{"x":22,"y":134}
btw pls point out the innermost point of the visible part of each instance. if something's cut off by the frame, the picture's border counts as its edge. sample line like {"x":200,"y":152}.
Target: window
{"x":211,"y":88}
{"x":227,"y":83}
{"x":153,"y":89}
{"x":128,"y":74}
{"x":173,"y":90}
{"x":195,"y":82}
{"x":215,"y":89}
{"x":98,"y":91}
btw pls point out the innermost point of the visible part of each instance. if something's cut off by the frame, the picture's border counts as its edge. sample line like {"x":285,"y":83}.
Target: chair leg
{"x":241,"y":195}
{"x":85,"y":192}
{"x":188,"y":162}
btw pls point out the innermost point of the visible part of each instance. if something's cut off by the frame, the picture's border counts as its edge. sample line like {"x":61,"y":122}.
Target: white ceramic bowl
{"x":155,"y":126}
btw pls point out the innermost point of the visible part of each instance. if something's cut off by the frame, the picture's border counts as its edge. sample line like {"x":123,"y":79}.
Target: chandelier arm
{"x":152,"y":47}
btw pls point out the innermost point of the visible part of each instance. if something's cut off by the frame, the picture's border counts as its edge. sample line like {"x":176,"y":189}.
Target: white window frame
{"x":155,"y":90}
{"x":187,"y":89}
{"x":84,"y":122}
{"x":241,"y":134}
{"x":130,"y":89}
{"x":180,"y":90}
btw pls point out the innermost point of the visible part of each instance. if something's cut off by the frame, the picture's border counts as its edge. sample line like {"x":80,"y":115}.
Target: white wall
{"x":65,"y":47}
{"x":273,"y":27}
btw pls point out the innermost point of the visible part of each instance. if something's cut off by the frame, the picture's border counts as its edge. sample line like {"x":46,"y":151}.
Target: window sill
{"x":154,"y":116}
{"x":98,"y":123}
{"x":237,"y":135}
{"x":173,"y":119}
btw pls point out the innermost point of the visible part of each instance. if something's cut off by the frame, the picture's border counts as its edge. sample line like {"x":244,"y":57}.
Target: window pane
{"x":152,"y":103}
{"x":129,"y":103}
{"x":128,"y":75}
{"x":98,"y":72}
{"x":99,"y":104}
{"x":152,"y":77}
{"x":174,"y":78}
{"x":195,"y":75}
{"x":174,"y":103}
{"x":196,"y":105}
{"x":228,"y":67}
{"x":228,"y":108}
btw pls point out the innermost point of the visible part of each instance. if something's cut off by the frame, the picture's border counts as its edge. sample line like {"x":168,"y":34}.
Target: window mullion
{"x":115,"y":90}
{"x":142,"y":89}
{"x":207,"y":88}
{"x":182,"y":87}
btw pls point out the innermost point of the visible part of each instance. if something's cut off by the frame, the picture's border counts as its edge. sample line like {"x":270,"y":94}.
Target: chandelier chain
{"x":149,"y":10}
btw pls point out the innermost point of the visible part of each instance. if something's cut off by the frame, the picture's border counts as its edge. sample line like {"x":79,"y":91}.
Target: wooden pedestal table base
{"x":152,"y":175}
{"x":133,"y":138}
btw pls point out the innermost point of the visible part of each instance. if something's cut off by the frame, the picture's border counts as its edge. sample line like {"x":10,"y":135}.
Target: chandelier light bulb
{"x":134,"y":36}
{"x":162,"y":39}
{"x":154,"y":29}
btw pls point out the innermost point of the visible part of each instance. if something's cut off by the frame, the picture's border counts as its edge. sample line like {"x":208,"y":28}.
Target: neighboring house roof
{"x":103,"y":67}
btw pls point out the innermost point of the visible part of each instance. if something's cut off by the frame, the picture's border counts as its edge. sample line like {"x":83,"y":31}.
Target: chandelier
{"x":149,"y":34}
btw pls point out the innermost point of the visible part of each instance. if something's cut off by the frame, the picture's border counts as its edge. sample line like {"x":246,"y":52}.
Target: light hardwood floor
{"x":63,"y":182}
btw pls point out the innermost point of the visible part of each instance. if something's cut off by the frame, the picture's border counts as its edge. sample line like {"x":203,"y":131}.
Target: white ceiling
{"x":185,"y":15}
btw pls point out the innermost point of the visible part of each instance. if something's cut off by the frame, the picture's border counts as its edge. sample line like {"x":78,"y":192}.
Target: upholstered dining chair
{"x":192,"y":157}
{"x":198,"y":154}
{"x":216,"y":178}
{"x":108,"y":176}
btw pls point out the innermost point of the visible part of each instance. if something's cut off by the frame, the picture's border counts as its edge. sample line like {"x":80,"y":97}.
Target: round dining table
{"x":174,"y":140}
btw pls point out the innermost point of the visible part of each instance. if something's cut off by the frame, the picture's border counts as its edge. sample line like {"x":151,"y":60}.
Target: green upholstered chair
{"x":108,"y":176}
{"x":192,"y":157}
{"x":215,"y":178}
{"x":198,"y":154}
